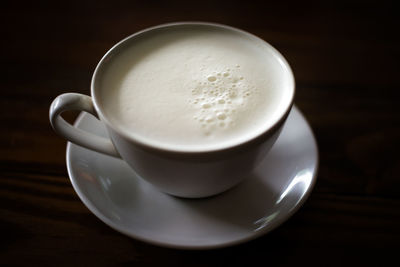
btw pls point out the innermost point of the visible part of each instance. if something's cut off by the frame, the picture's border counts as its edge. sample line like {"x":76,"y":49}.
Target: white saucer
{"x":269,"y":196}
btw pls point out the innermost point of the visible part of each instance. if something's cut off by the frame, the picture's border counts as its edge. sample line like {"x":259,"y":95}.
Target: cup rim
{"x":257,"y":139}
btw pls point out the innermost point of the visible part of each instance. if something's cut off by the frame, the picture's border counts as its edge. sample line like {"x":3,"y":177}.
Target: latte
{"x":195,"y":88}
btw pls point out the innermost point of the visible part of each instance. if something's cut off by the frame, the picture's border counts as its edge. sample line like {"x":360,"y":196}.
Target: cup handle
{"x":74,"y":101}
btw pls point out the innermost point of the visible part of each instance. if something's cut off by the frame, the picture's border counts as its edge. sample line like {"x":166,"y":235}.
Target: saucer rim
{"x":274,"y":224}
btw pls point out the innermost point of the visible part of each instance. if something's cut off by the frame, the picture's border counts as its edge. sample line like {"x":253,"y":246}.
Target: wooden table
{"x":345,"y":56}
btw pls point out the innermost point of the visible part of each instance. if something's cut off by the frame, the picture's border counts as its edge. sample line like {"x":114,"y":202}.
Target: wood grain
{"x":345,"y":57}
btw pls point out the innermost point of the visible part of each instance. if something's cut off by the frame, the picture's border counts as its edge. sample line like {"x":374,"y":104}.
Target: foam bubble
{"x":232,"y":94}
{"x":212,"y":78}
{"x":209,"y":119}
{"x":221,"y":116}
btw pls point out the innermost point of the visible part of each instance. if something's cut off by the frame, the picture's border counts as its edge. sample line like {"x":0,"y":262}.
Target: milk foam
{"x":194,"y":89}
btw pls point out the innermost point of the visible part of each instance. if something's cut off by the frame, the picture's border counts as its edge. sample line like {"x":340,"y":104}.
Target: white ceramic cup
{"x":180,"y":173}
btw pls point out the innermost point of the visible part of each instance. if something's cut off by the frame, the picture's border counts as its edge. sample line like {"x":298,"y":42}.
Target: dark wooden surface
{"x":345,"y":56}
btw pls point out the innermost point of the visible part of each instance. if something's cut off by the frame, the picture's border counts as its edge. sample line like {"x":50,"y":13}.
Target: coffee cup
{"x":192,"y":107}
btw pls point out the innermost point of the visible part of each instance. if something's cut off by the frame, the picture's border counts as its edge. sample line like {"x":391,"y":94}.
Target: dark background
{"x":345,"y":57}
